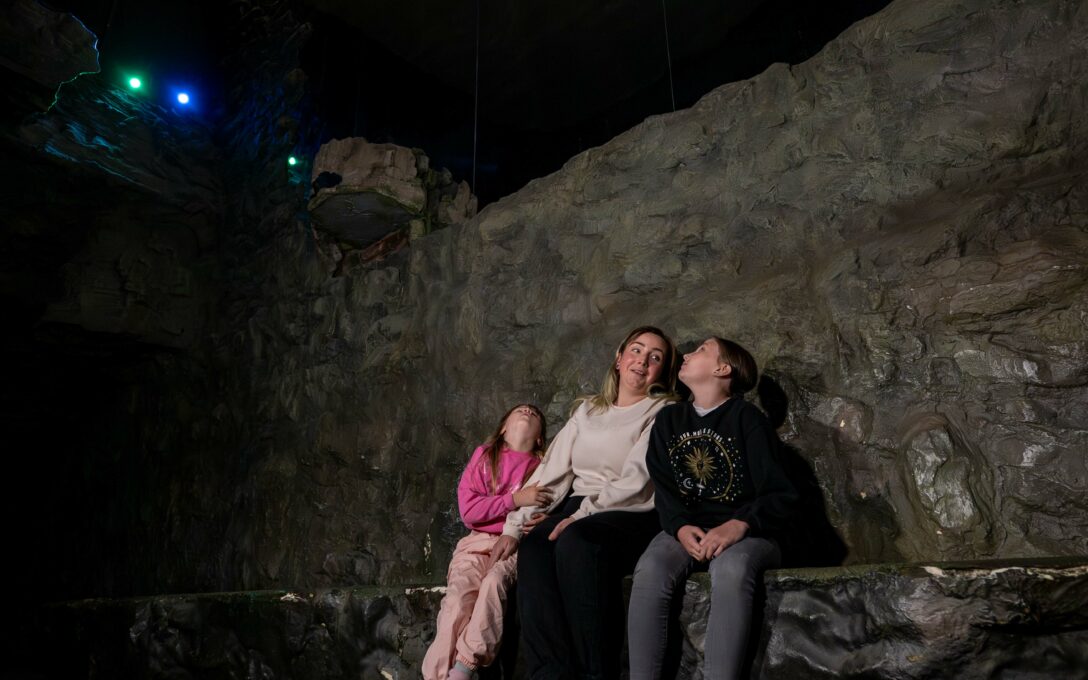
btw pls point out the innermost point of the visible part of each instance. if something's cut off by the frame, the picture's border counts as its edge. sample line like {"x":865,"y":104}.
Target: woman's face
{"x":524,"y":421}
{"x":639,"y":364}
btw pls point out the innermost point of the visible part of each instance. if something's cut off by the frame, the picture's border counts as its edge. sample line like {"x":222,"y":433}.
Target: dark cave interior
{"x":195,"y":400}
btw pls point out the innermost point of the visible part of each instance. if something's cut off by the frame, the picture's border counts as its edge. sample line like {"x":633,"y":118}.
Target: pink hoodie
{"x":482,"y":510}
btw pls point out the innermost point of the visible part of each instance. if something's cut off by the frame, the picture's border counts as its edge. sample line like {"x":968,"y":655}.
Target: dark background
{"x":542,"y":100}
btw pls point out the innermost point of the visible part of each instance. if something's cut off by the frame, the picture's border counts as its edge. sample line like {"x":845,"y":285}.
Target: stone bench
{"x":962,"y":620}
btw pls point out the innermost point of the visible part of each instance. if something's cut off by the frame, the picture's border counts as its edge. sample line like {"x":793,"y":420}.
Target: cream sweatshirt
{"x":603,"y":457}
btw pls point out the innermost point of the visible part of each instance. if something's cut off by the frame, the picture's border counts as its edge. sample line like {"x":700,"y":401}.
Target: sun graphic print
{"x":706,"y":465}
{"x":700,"y":464}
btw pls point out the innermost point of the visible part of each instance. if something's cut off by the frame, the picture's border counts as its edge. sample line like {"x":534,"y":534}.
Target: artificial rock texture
{"x":893,"y":622}
{"x":363,"y":192}
{"x":328,"y":633}
{"x":896,"y":228}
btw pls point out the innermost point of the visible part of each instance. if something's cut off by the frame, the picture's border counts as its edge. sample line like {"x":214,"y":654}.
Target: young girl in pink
{"x":469,"y":627}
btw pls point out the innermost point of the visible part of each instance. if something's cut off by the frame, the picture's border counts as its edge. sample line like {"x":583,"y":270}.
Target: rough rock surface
{"x":43,"y":50}
{"x":961,"y":620}
{"x":364,"y":191}
{"x":897,"y":228}
{"x":329,"y":633}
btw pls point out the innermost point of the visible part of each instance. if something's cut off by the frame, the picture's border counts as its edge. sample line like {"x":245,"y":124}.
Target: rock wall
{"x":896,"y":228}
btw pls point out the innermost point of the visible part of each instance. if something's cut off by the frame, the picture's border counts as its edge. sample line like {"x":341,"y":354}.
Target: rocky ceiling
{"x":546,"y":64}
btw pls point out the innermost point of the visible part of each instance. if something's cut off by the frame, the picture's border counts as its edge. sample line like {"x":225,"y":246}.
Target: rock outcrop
{"x":887,"y":622}
{"x":896,"y":228}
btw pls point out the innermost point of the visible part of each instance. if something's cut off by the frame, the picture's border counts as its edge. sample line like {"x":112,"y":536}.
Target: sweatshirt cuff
{"x":510,"y":507}
{"x":512,"y":532}
{"x":579,"y":514}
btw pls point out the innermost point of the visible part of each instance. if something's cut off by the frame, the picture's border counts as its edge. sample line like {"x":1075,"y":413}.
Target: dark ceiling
{"x":554,"y":78}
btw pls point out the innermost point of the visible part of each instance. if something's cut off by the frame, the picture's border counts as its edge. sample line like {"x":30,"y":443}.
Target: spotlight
{"x":183,"y":97}
{"x":291,"y":160}
{"x":135,"y":83}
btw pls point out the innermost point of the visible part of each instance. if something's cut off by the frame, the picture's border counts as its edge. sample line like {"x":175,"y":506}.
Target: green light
{"x":134,"y":83}
{"x":291,"y":160}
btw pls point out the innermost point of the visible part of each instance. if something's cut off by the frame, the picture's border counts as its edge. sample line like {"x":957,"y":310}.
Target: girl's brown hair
{"x":496,"y":442}
{"x":664,"y":388}
{"x":745,"y":372}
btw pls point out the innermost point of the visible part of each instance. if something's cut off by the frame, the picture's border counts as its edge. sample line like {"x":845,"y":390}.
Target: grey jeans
{"x":663,"y":569}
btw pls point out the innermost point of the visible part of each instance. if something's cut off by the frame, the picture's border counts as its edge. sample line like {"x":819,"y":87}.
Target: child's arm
{"x":474,"y":498}
{"x":670,"y":508}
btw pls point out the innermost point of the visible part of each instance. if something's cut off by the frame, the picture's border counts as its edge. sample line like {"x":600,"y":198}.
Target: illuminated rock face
{"x":363,"y":192}
{"x":886,"y":622}
{"x":896,"y":228}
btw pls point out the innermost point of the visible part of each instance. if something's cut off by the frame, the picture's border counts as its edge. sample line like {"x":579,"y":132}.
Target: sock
{"x":460,"y":672}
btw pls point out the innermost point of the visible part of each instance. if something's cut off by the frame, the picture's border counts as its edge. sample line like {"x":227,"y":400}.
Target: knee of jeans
{"x":731,"y":570}
{"x":651,"y":573}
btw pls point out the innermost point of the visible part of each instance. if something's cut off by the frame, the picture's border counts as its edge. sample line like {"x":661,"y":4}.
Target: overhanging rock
{"x":363,"y":192}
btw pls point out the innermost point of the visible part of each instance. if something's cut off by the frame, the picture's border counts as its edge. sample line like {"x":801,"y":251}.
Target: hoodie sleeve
{"x":772,"y":508}
{"x":474,"y":498}
{"x":667,"y":497}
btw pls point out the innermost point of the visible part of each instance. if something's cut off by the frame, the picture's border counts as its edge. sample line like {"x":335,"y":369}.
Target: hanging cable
{"x":668,"y":53}
{"x":476,"y":98}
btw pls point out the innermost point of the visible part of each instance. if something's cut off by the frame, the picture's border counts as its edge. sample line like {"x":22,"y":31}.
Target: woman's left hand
{"x":721,"y":537}
{"x":560,"y":528}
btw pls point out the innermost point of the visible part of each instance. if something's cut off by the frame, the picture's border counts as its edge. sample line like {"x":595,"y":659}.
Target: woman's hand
{"x":536,"y":519}
{"x":560,"y":528}
{"x":532,"y":495}
{"x":503,"y":548}
{"x":691,"y":538}
{"x":721,"y":537}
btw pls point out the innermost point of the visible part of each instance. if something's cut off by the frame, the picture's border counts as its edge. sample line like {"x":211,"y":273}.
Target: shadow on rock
{"x":812,"y":542}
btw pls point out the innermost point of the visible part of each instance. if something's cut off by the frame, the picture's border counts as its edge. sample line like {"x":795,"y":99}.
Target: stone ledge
{"x":1024,"y":618}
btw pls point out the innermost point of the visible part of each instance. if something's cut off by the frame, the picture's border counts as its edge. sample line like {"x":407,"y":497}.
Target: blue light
{"x":183,"y":97}
{"x":291,"y":160}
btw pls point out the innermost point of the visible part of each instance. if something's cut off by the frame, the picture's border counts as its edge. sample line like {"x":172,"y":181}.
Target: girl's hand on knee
{"x":534,"y":520}
{"x":560,"y":528}
{"x":721,"y":537}
{"x":691,"y":538}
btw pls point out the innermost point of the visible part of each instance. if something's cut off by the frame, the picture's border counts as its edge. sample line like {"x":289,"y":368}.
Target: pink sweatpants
{"x":469,"y":627}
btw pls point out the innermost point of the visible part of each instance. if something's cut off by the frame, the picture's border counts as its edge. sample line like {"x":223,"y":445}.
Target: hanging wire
{"x":668,"y":53}
{"x":476,"y":98}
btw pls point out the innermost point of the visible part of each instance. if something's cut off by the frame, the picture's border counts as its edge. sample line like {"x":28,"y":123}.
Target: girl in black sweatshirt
{"x":722,"y":498}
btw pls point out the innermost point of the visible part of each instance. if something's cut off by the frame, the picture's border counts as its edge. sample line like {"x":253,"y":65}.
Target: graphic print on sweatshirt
{"x":706,"y":465}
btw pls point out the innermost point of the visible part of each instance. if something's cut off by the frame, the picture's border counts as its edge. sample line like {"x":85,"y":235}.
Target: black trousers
{"x":570,"y":591}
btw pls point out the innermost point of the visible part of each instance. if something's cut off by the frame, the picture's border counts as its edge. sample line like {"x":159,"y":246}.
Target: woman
{"x":572,"y":561}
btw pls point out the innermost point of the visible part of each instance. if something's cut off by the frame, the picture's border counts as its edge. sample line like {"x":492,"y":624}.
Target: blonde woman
{"x":573,"y":558}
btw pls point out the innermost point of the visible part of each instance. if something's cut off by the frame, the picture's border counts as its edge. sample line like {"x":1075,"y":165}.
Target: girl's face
{"x":639,"y":364}
{"x":524,"y":422}
{"x":702,"y":363}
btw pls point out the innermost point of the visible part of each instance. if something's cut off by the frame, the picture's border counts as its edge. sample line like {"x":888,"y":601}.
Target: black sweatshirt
{"x":714,"y":468}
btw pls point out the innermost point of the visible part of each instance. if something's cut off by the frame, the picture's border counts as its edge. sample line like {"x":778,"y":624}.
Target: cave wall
{"x":896,"y":228}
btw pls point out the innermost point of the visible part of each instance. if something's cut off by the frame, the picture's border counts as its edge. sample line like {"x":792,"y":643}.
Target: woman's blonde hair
{"x":496,"y":442}
{"x":664,"y":388}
